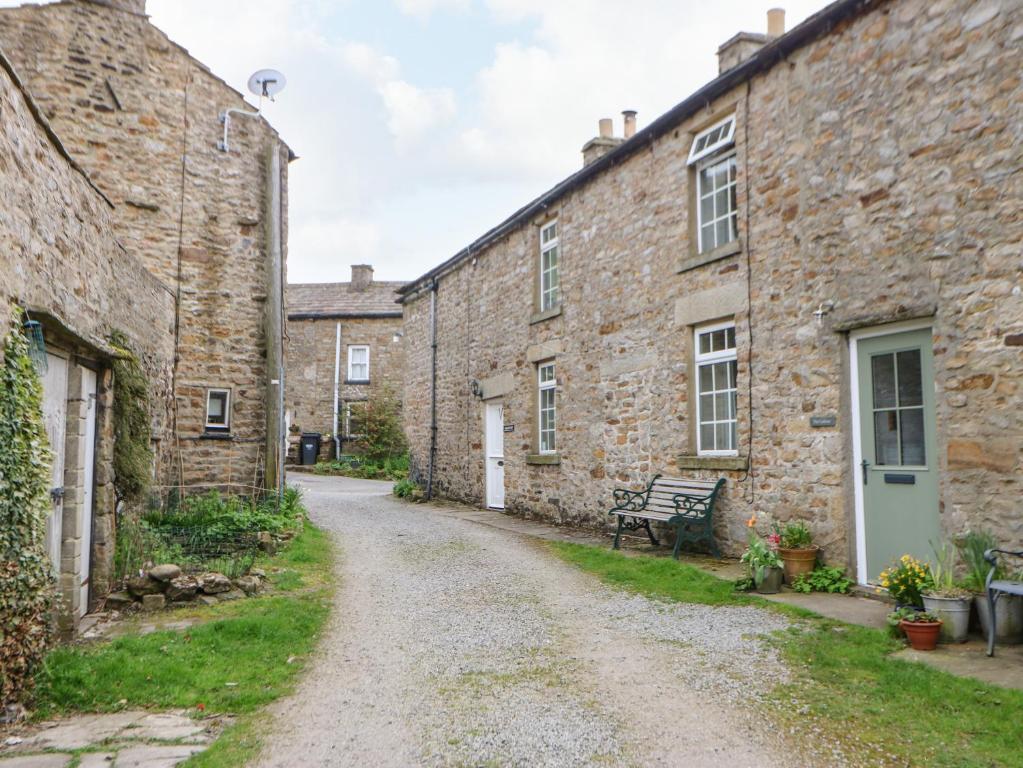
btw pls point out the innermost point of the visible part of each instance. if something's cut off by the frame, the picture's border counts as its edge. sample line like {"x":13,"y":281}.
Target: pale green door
{"x":899,"y":471}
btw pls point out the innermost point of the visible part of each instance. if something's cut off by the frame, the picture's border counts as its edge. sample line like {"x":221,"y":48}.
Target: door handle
{"x":864,"y":464}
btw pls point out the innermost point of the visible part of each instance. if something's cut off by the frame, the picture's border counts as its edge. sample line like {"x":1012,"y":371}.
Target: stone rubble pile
{"x":166,"y":583}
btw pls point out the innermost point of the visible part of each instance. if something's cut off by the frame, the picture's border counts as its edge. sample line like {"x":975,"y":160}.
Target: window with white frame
{"x":358,"y":363}
{"x":550,"y":253}
{"x":547,"y":407}
{"x":355,"y":419}
{"x":218,"y":410}
{"x":717,"y":214}
{"x":716,"y":390}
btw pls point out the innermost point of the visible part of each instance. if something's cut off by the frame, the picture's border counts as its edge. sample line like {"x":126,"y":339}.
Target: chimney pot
{"x":362,"y":276}
{"x":606,"y":128}
{"x":776,"y":22}
{"x":630,"y":122}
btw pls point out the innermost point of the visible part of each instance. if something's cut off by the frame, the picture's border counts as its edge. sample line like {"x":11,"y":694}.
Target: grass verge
{"x":845,"y":681}
{"x":234,"y":660}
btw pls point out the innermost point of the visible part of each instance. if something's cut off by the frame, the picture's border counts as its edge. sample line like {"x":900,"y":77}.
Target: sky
{"x":420,"y":124}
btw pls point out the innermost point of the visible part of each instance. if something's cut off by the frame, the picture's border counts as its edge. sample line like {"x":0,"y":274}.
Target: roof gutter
{"x":816,"y":26}
{"x":343,"y":315}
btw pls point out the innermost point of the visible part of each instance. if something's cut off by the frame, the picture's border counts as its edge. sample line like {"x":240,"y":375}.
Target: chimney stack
{"x":362,"y":276}
{"x":630,"y":123}
{"x":743,"y":45}
{"x":604,"y":142}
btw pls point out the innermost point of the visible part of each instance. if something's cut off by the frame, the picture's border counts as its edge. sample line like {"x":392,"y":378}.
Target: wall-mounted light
{"x":398,"y":336}
{"x":476,"y":389}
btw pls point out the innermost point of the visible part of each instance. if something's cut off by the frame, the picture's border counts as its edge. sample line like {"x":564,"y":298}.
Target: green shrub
{"x":26,"y":583}
{"x":823,"y":579}
{"x":384,"y":437}
{"x":133,"y":457}
{"x":390,"y":468}
{"x":404,"y":488}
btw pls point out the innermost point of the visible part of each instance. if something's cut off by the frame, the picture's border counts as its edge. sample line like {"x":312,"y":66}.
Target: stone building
{"x":60,"y":260}
{"x":344,"y":346}
{"x":143,"y":118}
{"x":805,"y":278}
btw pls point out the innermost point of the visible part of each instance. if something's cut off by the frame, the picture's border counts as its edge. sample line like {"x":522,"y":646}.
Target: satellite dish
{"x":267,"y":83}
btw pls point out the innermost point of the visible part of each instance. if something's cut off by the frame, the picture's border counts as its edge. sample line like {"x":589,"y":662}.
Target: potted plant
{"x":922,"y":629}
{"x":905,"y":581}
{"x":797,"y":550}
{"x":946,"y":599}
{"x":1009,"y":608}
{"x":763,"y":562}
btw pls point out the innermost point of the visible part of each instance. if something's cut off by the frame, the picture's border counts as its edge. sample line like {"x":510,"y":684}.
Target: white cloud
{"x":328,"y":246}
{"x":424,"y":8}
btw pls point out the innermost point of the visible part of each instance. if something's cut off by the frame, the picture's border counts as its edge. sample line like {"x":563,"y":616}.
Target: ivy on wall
{"x":26,"y":581}
{"x":133,"y":457}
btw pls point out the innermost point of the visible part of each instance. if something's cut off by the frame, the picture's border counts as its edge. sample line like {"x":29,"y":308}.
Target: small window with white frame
{"x":358,"y":363}
{"x":218,"y":410}
{"x":717,"y":215}
{"x":550,"y":255}
{"x":547,"y":407}
{"x":715,"y":362}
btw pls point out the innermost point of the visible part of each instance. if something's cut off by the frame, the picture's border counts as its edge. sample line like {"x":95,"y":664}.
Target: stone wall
{"x":59,"y":257}
{"x":310,"y":371}
{"x":142,"y":117}
{"x":882,"y":171}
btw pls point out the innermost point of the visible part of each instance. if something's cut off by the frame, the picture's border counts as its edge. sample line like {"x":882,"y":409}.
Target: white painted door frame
{"x":856,"y":336}
{"x":493,"y":449}
{"x":89,"y":389}
{"x":55,"y":392}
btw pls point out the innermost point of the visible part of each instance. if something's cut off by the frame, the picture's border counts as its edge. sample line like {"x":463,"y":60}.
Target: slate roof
{"x":311,"y":301}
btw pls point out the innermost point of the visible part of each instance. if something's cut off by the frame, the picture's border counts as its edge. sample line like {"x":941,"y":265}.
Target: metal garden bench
{"x":688,"y":505}
{"x":996,"y":589}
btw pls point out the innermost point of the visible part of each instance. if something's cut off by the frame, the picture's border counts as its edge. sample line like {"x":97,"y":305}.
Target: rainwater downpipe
{"x":337,"y":383}
{"x":433,"y":388}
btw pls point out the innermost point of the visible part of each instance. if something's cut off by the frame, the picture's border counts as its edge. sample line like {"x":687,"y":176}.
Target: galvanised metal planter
{"x":954,"y":613}
{"x":797,"y":562}
{"x":1008,"y":618}
{"x":922,"y":635}
{"x":768,"y":580}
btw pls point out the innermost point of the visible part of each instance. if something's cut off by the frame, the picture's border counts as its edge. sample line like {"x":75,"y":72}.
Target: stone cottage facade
{"x":60,"y":260}
{"x":143,"y":118}
{"x":804,"y":278}
{"x":344,"y":347}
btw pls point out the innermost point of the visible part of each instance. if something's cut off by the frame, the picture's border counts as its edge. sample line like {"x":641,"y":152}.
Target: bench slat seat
{"x":687,"y":504}
{"x":996,"y":588}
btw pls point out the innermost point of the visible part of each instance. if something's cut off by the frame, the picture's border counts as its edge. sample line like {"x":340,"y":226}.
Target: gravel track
{"x":455,"y":644}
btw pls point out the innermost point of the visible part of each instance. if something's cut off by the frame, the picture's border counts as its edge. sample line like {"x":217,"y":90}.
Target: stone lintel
{"x":711,"y":304}
{"x":544,"y":351}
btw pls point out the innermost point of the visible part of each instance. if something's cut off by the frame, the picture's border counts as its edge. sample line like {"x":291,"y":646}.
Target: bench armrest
{"x":991,"y":556}
{"x":632,"y":501}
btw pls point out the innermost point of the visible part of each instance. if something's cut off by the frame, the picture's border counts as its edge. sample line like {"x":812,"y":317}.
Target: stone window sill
{"x":547,"y":314}
{"x":709,"y":257}
{"x":356,"y":381}
{"x":543,"y":458}
{"x":210,"y":435}
{"x":734,"y":463}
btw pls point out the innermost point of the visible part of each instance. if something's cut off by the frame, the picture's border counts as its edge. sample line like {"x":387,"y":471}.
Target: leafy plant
{"x":921,"y":617}
{"x":972,"y":547}
{"x":384,"y":437}
{"x":391,"y":468}
{"x":943,"y":573}
{"x":26,"y":584}
{"x":759,"y":556}
{"x":133,"y":457}
{"x":906,"y":580}
{"x":794,"y":535}
{"x":404,"y":488}
{"x":823,"y":579}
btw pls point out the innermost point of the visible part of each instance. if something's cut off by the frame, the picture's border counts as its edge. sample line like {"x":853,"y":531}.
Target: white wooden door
{"x":495,"y":455}
{"x":55,"y":416}
{"x":86,"y":509}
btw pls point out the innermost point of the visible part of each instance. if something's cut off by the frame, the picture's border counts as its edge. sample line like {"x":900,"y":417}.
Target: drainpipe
{"x":433,"y":387}
{"x":337,"y":382}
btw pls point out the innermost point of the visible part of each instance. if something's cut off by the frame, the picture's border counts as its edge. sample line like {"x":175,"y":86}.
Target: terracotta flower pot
{"x":923,"y":635}
{"x":797,"y":562}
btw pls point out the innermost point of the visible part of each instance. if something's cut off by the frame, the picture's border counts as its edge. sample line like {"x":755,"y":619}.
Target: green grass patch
{"x":845,"y":682}
{"x":234,"y":660}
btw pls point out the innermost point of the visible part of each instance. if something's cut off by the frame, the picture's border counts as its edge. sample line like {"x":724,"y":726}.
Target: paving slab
{"x":35,"y":761}
{"x":970,"y":659}
{"x":847,"y":608}
{"x":155,"y":756}
{"x":96,"y":760}
{"x":167,"y":726}
{"x":80,"y":732}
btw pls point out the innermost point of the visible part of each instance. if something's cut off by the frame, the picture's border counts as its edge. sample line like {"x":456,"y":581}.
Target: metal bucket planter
{"x":954,"y":613}
{"x":1008,"y":618}
{"x":797,"y":562}
{"x":768,"y":580}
